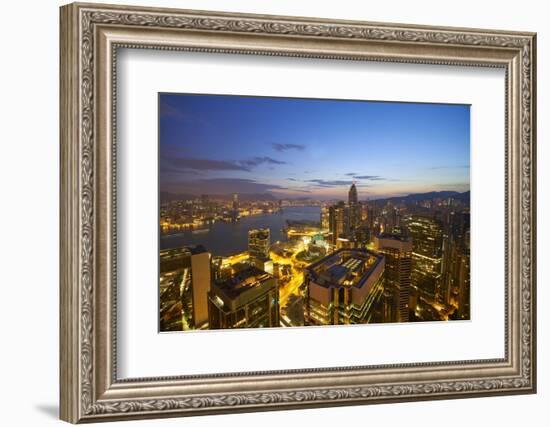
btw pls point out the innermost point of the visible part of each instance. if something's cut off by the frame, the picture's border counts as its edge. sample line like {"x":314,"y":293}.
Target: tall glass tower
{"x":354,"y":208}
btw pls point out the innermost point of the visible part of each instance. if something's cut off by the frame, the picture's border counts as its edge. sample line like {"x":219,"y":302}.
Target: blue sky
{"x":311,"y":148}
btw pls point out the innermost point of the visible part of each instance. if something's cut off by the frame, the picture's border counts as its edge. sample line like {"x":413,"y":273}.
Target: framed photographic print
{"x":263,"y":212}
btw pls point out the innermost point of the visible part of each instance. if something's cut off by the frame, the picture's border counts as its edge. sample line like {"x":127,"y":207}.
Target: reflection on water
{"x":224,"y":239}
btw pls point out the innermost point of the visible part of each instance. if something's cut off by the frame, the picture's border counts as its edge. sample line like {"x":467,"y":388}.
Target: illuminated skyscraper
{"x":352,"y":195}
{"x":354,"y":208}
{"x":201,"y":278}
{"x":249,"y":299}
{"x":455,"y":248}
{"x":325,"y":218}
{"x":374,"y":217}
{"x":345,"y":287}
{"x":463,"y":276}
{"x":427,"y":237}
{"x":258,"y":243}
{"x":397,"y":251}
{"x":339,"y":222}
{"x":189,"y":271}
{"x":464,"y":286}
{"x":235,"y":207}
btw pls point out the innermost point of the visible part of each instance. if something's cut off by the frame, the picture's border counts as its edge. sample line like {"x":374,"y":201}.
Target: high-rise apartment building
{"x":235,"y":207}
{"x":325,"y":218}
{"x":345,"y":287}
{"x":259,"y":241}
{"x":201,"y":278}
{"x":427,"y":238}
{"x":397,"y":251}
{"x":455,"y":248}
{"x":339,"y":223}
{"x":464,"y":280}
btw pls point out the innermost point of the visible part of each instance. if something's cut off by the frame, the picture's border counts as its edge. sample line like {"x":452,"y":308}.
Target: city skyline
{"x":280,"y":212}
{"x":406,"y":260}
{"x":307,"y":148}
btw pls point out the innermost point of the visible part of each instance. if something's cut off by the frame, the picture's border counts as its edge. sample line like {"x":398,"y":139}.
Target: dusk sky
{"x":311,"y":148}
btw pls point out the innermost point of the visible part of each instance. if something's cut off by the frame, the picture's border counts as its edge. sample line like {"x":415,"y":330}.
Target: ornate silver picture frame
{"x":91,"y":35}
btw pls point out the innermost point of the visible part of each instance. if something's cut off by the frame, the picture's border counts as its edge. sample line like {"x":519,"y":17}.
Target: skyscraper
{"x":455,"y":248}
{"x":464,"y":286}
{"x":235,"y":207}
{"x":339,"y":222}
{"x":354,"y":208}
{"x":397,"y":251}
{"x":258,"y":243}
{"x":325,"y":218}
{"x":201,"y":278}
{"x":187,"y":271}
{"x":426,"y":233}
{"x":463,"y":275}
{"x":352,"y":195}
{"x":345,"y":287}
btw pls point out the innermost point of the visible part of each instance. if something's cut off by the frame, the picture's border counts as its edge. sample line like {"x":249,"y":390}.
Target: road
{"x":296,"y":278}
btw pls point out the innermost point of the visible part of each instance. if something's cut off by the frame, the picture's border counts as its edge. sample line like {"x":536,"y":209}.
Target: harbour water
{"x":229,"y":238}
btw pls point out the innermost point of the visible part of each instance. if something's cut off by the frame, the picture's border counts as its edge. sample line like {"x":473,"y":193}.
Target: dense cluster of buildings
{"x":196,"y":213}
{"x":209,"y":294}
{"x":426,"y":246}
{"x":382,"y":261}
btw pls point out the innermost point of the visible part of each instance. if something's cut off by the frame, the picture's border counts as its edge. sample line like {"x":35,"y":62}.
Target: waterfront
{"x":228,"y":238}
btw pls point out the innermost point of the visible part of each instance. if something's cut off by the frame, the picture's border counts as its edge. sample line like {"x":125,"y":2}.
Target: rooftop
{"x":345,"y":267}
{"x":244,"y":280}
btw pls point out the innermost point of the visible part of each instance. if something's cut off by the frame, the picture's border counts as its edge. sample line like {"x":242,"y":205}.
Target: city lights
{"x":255,"y":233}
{"x":409,"y":263}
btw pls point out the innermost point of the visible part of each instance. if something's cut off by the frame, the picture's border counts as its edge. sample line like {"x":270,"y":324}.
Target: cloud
{"x":256,"y":161}
{"x":342,"y":182}
{"x":223,"y":186}
{"x":330,"y":183}
{"x":292,"y":179}
{"x":351,"y":174}
{"x":369,"y":177}
{"x":297,"y":190}
{"x":246,"y":165}
{"x":207,"y":164}
{"x":286,"y":147}
{"x":169,"y":170}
